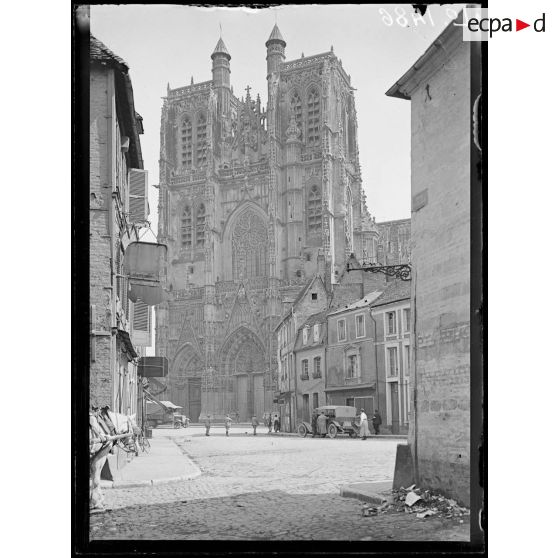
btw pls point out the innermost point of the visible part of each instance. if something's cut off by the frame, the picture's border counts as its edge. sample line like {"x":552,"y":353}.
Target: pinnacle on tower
{"x":275,"y":37}
{"x":220,"y":48}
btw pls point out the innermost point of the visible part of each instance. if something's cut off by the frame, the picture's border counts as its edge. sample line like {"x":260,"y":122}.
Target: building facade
{"x":249,"y":198}
{"x":119,"y":329}
{"x":391,"y":317}
{"x":442,"y":89}
{"x":351,"y":356}
{"x":310,"y":365}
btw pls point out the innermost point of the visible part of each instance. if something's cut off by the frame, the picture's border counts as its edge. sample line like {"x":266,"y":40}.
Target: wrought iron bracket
{"x":402,"y":271}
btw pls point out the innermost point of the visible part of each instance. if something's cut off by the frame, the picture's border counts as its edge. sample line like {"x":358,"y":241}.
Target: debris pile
{"x":423,"y":503}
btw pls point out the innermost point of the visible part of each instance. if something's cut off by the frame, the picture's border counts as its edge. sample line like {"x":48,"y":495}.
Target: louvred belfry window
{"x":314,"y":209}
{"x":313,"y":107}
{"x":296,"y":109}
{"x":200,"y":226}
{"x":186,"y":227}
{"x":201,"y":136}
{"x":187,"y":145}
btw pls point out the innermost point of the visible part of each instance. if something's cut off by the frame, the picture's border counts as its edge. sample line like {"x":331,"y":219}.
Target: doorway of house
{"x":394,"y":387}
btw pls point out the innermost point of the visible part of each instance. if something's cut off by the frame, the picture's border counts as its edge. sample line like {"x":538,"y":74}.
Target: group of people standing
{"x":272,"y":422}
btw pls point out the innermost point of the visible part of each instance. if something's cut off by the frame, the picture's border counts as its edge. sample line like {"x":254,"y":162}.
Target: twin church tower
{"x":254,"y":203}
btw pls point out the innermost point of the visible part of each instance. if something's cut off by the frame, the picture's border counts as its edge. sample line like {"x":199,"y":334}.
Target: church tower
{"x":254,"y":201}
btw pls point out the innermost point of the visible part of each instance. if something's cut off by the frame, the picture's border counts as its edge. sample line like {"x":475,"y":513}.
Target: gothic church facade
{"x":253,"y":203}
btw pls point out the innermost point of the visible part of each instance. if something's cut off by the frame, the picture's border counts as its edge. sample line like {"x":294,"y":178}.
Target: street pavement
{"x":266,"y":487}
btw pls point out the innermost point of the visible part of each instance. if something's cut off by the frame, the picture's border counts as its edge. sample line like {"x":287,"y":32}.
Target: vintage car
{"x":340,"y":420}
{"x":180,"y":421}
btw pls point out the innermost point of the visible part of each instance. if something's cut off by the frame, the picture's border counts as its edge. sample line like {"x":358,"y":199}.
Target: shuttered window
{"x":141,"y":324}
{"x":186,"y":227}
{"x":201,"y":136}
{"x":314,"y":209}
{"x":187,"y":142}
{"x":313,"y":110}
{"x":200,"y":226}
{"x":138,"y":205}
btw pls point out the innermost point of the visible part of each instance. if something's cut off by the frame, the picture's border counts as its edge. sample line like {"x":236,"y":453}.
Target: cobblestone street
{"x":266,"y":487}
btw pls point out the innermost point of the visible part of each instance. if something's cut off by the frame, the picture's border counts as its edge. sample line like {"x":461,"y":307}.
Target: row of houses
{"x":346,"y":344}
{"x":120,"y":329}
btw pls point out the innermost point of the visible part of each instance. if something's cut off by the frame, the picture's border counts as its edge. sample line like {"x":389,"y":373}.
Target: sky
{"x":377,"y":45}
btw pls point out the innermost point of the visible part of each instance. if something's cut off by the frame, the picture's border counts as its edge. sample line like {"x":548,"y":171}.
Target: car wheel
{"x":332,"y":430}
{"x":352,"y":434}
{"x":302,"y":432}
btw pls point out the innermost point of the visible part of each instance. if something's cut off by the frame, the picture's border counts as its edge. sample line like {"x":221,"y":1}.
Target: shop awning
{"x":351,"y":388}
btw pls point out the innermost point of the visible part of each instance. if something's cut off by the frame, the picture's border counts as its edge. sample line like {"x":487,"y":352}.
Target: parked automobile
{"x":180,"y":421}
{"x":340,"y":420}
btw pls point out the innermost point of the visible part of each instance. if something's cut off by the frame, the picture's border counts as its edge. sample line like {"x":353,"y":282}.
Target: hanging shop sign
{"x":153,"y":367}
{"x":144,"y":264}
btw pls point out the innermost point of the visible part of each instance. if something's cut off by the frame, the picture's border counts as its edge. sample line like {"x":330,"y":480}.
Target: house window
{"x":407,"y":319}
{"x":407,"y":350}
{"x":317,"y":367}
{"x":186,"y":227}
{"x":314,"y":297}
{"x":353,"y":366}
{"x":316,"y":333}
{"x":313,"y":107}
{"x":391,"y":323}
{"x":200,"y":226}
{"x":314,"y":209}
{"x":393,"y":368}
{"x":341,"y":330}
{"x":304,"y":373}
{"x":305,"y":336}
{"x":359,"y":325}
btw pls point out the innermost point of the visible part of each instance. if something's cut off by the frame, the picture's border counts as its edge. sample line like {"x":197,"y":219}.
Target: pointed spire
{"x":275,"y":37}
{"x":220,"y":48}
{"x":191,"y":80}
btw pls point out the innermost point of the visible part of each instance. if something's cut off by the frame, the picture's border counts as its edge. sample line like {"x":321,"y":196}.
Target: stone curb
{"x":346,"y":492}
{"x":151,"y":482}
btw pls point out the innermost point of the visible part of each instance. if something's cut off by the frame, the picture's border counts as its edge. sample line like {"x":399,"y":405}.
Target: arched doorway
{"x":186,"y":382}
{"x":244,"y":362}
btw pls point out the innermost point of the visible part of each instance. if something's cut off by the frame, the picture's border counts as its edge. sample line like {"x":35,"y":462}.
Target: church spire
{"x":220,"y":49}
{"x":275,"y":50}
{"x":275,"y":37}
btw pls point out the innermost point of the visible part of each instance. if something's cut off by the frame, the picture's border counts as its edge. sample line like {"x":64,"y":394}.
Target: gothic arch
{"x":243,"y":352}
{"x":187,"y":362}
{"x":246,"y":243}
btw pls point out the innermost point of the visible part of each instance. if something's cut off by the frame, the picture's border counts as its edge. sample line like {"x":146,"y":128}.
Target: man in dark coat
{"x":207,"y":423}
{"x":254,"y":424}
{"x":376,"y":421}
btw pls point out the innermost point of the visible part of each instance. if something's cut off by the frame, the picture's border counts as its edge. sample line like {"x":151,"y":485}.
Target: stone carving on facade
{"x":293,"y":131}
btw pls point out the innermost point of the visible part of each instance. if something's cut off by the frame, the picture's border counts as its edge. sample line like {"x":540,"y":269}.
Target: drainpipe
{"x":112,"y":185}
{"x":415,"y":388}
{"x":376,"y":359}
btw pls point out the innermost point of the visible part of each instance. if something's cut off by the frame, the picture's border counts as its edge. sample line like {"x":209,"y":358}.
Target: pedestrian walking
{"x":364,"y":430}
{"x":376,"y":421}
{"x":228,"y":424}
{"x":255,"y":424}
{"x":269,"y":423}
{"x":276,"y":423}
{"x":207,"y":423}
{"x":321,"y":425}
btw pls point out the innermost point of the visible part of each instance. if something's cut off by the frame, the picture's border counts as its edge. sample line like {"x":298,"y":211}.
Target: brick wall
{"x":101,"y":389}
{"x":440,"y":244}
